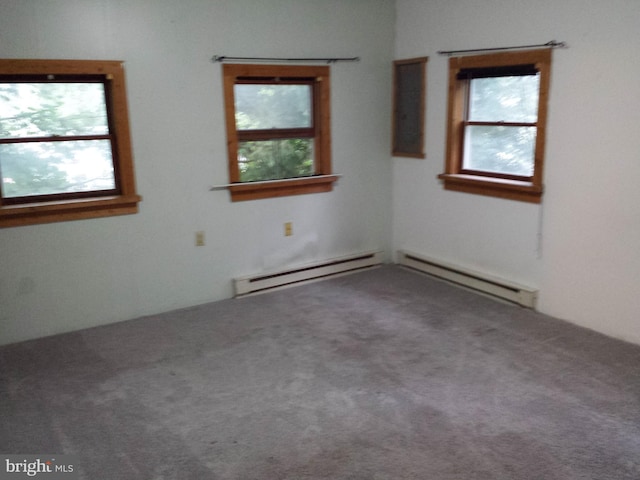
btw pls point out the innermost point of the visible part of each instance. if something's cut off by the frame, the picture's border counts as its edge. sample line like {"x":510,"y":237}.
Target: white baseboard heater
{"x":474,"y":280}
{"x":306,"y":273}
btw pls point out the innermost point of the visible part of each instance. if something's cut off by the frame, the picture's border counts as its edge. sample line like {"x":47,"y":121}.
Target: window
{"x":497,"y":124}
{"x":65,"y":150}
{"x":408,"y":107}
{"x":278,"y":130}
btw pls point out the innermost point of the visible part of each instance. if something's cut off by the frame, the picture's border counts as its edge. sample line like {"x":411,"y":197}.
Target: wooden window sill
{"x":46,"y":212}
{"x":494,"y":187}
{"x":279,"y":188}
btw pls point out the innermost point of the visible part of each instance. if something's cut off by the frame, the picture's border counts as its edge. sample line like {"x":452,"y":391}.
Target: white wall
{"x":581,"y":246}
{"x":65,"y":276}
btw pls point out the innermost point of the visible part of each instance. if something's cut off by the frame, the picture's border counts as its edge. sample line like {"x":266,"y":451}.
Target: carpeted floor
{"x":384,"y":374}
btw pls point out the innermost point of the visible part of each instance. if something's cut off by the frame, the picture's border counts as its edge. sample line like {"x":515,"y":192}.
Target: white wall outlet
{"x":200,"y":239}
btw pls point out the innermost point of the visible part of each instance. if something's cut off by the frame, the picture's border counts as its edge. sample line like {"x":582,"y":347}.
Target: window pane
{"x":272,"y":106}
{"x":43,"y":168}
{"x":508,"y":99}
{"x":46,"y":109}
{"x":500,"y":149}
{"x":275,"y":159}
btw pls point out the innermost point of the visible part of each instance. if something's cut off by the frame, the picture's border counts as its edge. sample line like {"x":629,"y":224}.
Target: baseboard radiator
{"x":306,"y":273}
{"x":481,"y":282}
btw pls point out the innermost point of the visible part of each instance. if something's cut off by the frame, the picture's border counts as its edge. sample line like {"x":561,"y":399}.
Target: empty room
{"x":320,"y":239}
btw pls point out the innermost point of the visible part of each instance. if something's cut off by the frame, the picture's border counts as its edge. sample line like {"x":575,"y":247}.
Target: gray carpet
{"x":384,"y":374}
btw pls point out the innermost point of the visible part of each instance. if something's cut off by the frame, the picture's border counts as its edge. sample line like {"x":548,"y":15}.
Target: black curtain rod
{"x":551,"y":44}
{"x":224,"y":58}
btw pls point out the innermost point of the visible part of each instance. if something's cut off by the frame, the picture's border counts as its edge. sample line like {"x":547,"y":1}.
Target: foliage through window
{"x":54,"y":140}
{"x":496,"y":124}
{"x":278,"y":130}
{"x":275,"y":128}
{"x":64,"y":141}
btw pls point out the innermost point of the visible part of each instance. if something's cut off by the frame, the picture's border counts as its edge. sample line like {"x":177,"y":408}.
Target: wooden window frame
{"x":419,"y":101}
{"x":322,"y":179}
{"x":455,"y":178}
{"x":57,"y":208}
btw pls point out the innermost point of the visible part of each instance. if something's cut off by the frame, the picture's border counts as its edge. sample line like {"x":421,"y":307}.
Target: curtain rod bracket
{"x":224,"y":58}
{"x":550,"y":44}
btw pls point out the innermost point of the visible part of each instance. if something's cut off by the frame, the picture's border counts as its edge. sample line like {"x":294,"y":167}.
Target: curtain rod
{"x":551,"y":44}
{"x":224,"y":58}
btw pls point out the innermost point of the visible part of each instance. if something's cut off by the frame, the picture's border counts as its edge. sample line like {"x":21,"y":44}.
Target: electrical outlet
{"x":288,"y":229}
{"x":200,"y":239}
